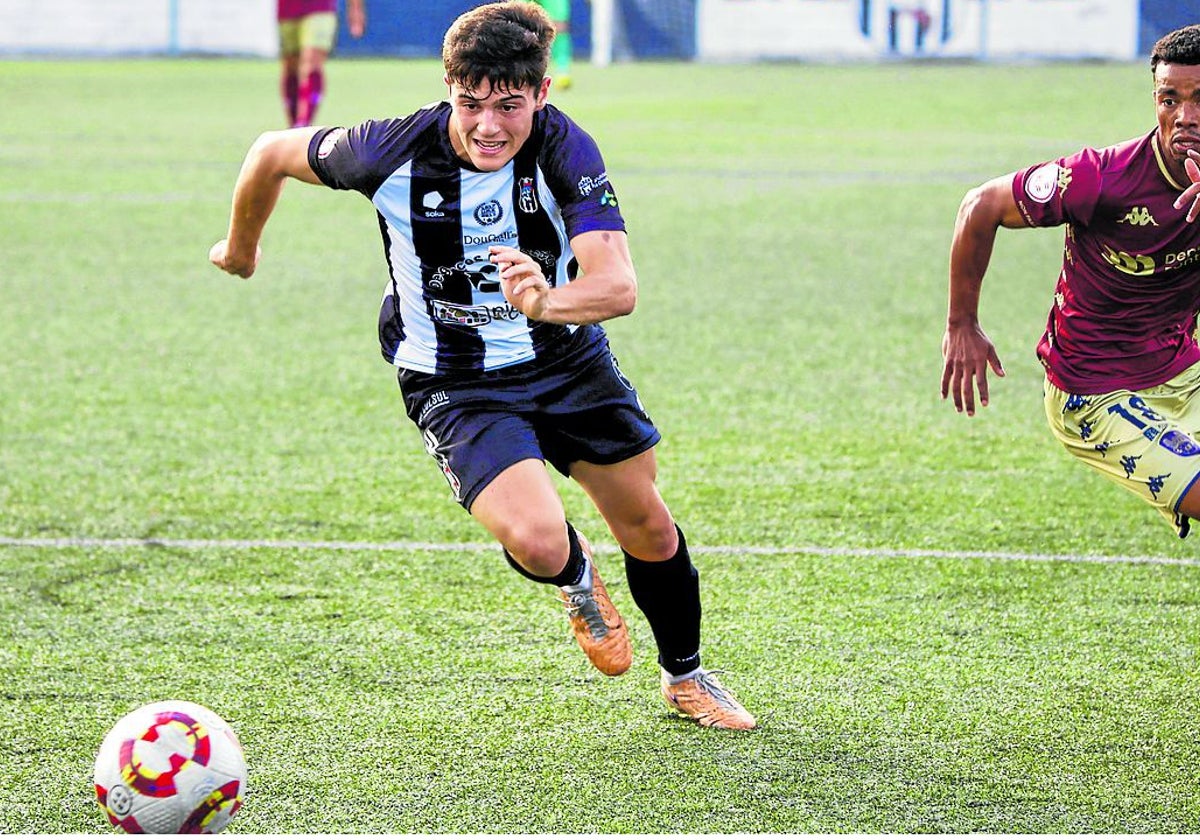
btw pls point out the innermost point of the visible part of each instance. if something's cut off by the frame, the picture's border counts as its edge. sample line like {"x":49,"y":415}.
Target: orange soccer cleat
{"x":597,"y":625}
{"x":704,"y":700}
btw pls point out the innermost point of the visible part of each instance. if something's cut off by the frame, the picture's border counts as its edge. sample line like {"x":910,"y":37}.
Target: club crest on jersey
{"x":489,"y":213}
{"x":526,"y":196}
{"x":1179,"y":443}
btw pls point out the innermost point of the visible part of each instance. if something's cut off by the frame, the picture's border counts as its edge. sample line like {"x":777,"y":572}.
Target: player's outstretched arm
{"x":356,"y":18}
{"x":274,"y":157}
{"x":966,"y":349}
{"x":605,"y":288}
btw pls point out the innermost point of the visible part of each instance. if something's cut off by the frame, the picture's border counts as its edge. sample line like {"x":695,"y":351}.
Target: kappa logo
{"x":1139,"y":216}
{"x":1064,"y":179}
{"x":431,"y":202}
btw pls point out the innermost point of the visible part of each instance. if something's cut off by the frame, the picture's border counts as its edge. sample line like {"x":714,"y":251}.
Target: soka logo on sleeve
{"x":1041,"y":183}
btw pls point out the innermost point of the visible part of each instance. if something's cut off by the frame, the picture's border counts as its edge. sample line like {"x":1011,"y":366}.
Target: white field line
{"x":413,"y":545}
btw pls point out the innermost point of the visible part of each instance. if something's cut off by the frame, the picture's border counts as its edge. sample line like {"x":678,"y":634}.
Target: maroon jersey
{"x":292,"y":9}
{"x":1125,"y":305}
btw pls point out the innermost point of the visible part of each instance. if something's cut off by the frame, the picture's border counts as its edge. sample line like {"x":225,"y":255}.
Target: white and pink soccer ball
{"x":170,"y":768}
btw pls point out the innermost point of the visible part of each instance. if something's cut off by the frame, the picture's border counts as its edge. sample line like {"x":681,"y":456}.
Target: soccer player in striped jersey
{"x":1120,"y":355}
{"x":505,"y":251}
{"x":307,"y":31}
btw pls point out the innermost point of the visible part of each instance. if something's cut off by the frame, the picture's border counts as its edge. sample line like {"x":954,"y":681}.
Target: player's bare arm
{"x":274,"y":157}
{"x":606,"y":287}
{"x":966,"y":349}
{"x":356,"y":18}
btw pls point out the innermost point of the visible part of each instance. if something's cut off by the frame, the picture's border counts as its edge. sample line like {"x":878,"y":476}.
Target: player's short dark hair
{"x":504,"y":44}
{"x":1179,"y":47}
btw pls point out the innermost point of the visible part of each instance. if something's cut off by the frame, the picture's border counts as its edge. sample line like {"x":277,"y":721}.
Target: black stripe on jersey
{"x":391,"y":321}
{"x":437,"y":240}
{"x":537,"y":237}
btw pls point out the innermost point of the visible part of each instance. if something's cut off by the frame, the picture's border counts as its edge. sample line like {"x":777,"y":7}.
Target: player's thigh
{"x":1141,"y":440}
{"x":289,"y":38}
{"x":521,"y":508}
{"x":627,"y":497}
{"x":318,"y":33}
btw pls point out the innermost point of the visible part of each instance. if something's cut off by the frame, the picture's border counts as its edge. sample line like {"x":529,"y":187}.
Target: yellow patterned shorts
{"x":1146,"y":440}
{"x":317,"y":30}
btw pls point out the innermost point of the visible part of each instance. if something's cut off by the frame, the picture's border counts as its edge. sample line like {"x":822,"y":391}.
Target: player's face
{"x":488,"y":124}
{"x":1177,"y":99}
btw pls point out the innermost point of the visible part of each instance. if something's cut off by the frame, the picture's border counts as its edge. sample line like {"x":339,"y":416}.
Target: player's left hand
{"x":356,"y":17}
{"x":223,"y":258}
{"x":1192,"y":193}
{"x":522,"y":281}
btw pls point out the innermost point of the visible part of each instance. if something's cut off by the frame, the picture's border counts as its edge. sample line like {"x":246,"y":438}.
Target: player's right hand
{"x":219,"y":256}
{"x":1191,"y":195}
{"x":968,"y":354}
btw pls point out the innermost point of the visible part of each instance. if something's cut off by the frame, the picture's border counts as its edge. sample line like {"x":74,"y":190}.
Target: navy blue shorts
{"x":578,"y":407}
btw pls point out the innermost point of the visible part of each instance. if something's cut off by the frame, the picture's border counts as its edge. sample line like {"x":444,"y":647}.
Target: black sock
{"x":571,"y":574}
{"x":668,"y":593}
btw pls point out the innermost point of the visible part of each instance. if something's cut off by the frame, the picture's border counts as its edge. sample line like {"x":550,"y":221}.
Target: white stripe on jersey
{"x":488,"y":218}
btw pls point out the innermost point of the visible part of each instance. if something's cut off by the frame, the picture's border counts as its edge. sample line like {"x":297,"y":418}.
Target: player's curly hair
{"x":506,"y":45}
{"x":1179,"y":47}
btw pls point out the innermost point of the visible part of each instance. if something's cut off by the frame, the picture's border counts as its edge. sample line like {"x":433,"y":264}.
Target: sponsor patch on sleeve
{"x":1040,"y":184}
{"x":328,"y":142}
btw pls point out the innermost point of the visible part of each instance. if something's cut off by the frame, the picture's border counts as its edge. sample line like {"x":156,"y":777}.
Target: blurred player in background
{"x":506,"y":249}
{"x":564,"y":47}
{"x":1121,"y":359}
{"x":307,"y":31}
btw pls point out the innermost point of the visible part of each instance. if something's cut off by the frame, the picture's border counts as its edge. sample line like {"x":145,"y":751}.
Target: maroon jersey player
{"x":1120,"y":355}
{"x":307,"y":31}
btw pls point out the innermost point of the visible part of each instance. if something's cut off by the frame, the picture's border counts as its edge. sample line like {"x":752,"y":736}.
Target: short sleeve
{"x":1060,"y":191}
{"x":578,"y":178}
{"x":364,"y":156}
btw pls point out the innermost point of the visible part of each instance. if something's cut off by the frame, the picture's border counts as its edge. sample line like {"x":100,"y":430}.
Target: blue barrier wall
{"x":1158,"y":17}
{"x":663,"y":29}
{"x":404,"y":28}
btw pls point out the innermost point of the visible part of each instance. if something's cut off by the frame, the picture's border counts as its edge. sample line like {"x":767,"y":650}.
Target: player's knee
{"x":540,"y":548}
{"x":650,"y":537}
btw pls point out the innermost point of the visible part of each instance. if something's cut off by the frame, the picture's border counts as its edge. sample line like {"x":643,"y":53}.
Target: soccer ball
{"x":170,"y":768}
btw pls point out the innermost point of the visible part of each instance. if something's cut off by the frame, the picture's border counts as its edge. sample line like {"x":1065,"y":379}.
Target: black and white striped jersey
{"x":443,"y":311}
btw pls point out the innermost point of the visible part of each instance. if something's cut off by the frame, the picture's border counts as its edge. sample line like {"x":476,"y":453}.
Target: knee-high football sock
{"x":571,"y":574}
{"x":668,"y":593}
{"x":310,"y":97}
{"x":291,"y":96}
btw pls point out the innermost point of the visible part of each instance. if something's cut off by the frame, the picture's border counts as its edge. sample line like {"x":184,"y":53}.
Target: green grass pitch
{"x":912,"y":602}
